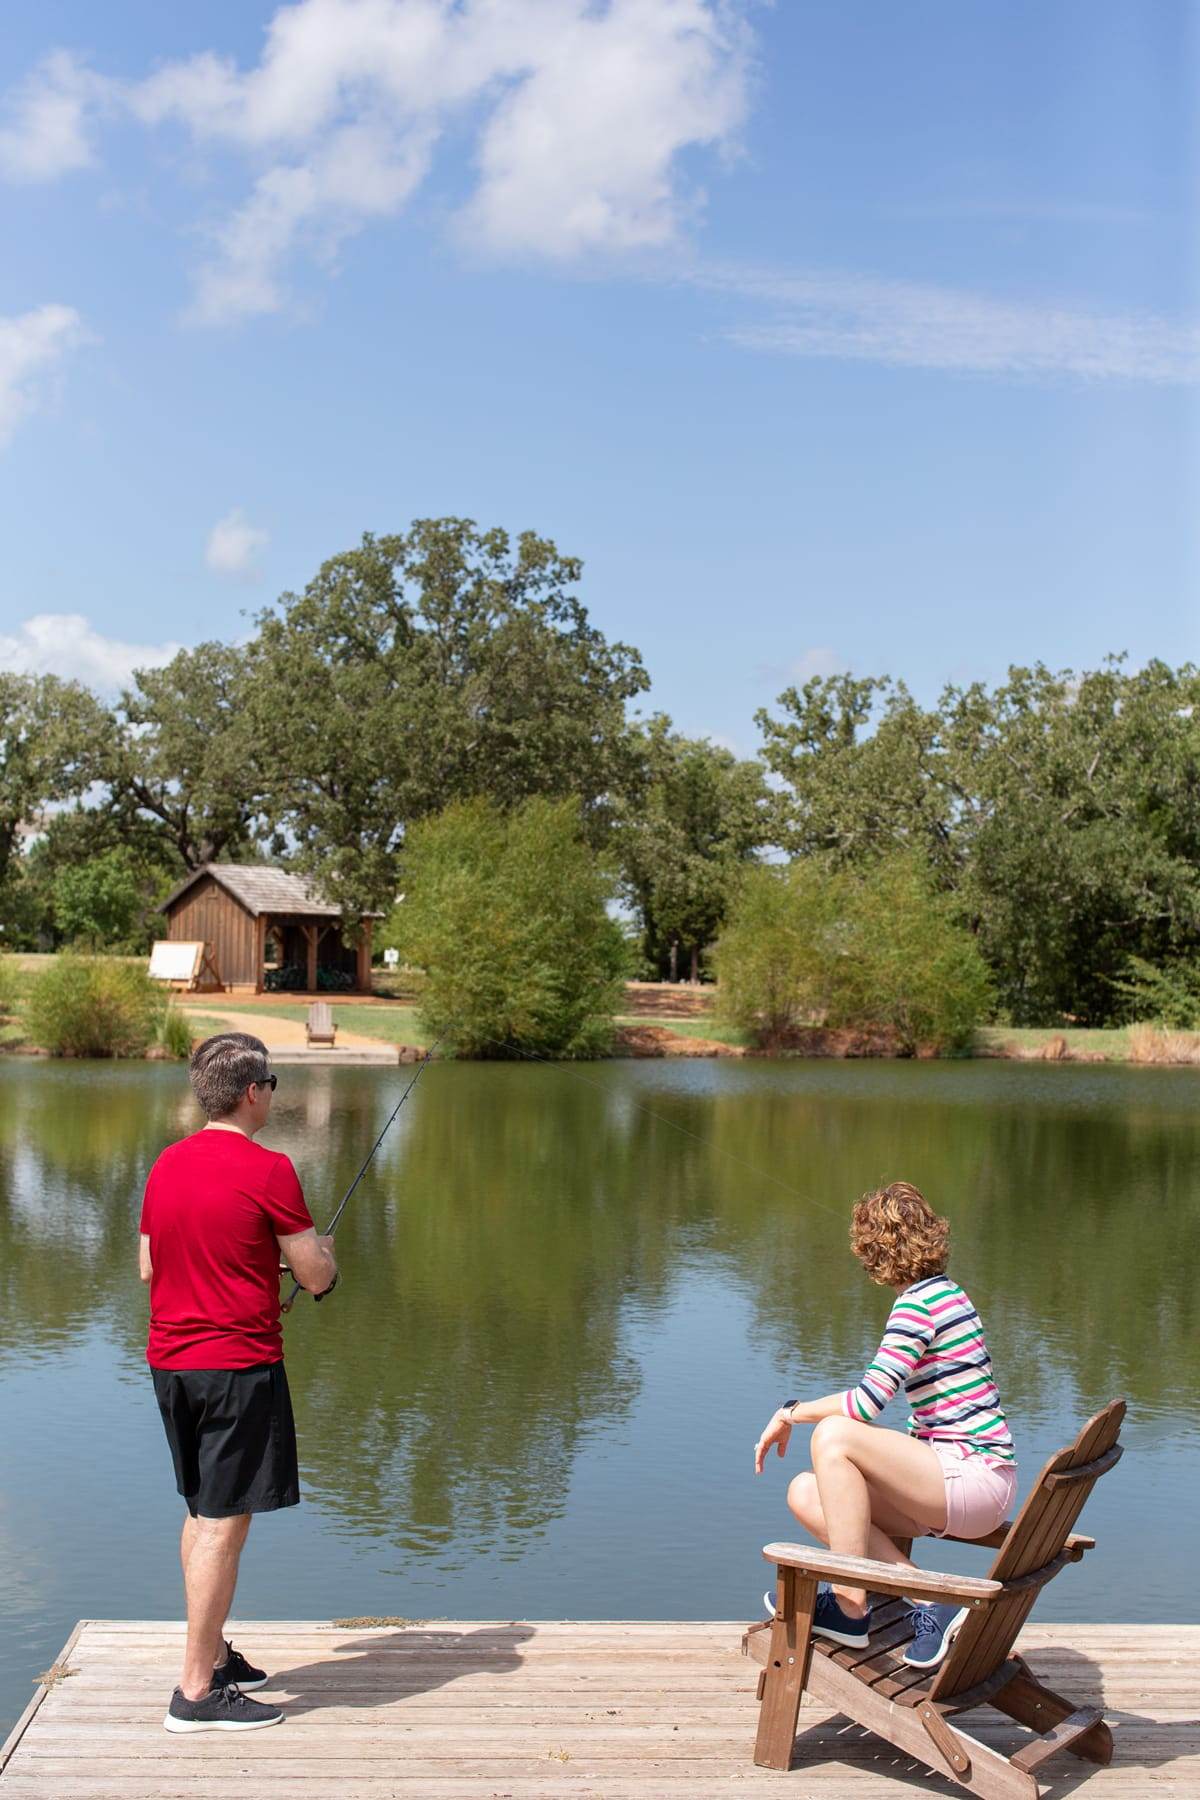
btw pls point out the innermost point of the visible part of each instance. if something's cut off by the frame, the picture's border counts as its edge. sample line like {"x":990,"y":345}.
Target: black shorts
{"x":232,"y":1438}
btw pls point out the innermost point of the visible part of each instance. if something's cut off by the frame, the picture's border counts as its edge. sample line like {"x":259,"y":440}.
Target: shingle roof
{"x":261,"y":890}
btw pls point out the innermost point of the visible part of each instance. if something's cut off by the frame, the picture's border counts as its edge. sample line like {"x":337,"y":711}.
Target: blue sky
{"x":829,"y":335}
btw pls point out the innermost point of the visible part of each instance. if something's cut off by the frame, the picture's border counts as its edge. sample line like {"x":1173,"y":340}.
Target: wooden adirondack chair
{"x":910,"y":1707}
{"x":319,"y":1027}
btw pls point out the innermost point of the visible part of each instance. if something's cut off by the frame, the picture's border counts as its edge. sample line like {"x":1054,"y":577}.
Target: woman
{"x":953,"y":1474}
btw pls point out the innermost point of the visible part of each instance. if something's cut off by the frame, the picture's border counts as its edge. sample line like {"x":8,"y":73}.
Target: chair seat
{"x":881,"y":1665}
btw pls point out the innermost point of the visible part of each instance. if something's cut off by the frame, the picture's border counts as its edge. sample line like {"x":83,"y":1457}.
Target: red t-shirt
{"x":214,"y":1204}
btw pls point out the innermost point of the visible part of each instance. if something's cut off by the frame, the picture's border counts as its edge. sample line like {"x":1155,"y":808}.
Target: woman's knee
{"x":805,"y":1502}
{"x":832,"y":1436}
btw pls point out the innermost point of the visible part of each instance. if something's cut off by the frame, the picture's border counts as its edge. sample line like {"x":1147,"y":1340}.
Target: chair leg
{"x":1029,"y":1703}
{"x":786,"y":1670}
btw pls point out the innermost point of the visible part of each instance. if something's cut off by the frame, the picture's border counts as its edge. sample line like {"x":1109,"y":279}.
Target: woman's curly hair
{"x":897,"y":1236}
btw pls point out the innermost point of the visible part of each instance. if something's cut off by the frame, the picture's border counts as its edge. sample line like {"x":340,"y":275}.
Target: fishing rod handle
{"x":287,"y":1305}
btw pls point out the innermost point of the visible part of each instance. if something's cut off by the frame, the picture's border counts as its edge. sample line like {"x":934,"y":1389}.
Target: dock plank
{"x":529,"y":1710}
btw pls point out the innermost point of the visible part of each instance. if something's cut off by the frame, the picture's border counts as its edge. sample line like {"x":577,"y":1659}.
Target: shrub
{"x":94,"y":1006}
{"x":1167,"y":995}
{"x":175,"y":1033}
{"x":10,"y":986}
{"x":1152,"y":1044}
{"x":876,"y":951}
{"x":777,"y":959}
{"x":914,"y":970}
{"x":507,"y":914}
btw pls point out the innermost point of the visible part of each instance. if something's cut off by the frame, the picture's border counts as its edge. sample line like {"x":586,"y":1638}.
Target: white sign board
{"x":391,"y":957}
{"x":174,"y":961}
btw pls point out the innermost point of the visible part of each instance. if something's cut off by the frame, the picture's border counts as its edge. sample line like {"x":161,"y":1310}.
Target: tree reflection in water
{"x":515,"y":1216}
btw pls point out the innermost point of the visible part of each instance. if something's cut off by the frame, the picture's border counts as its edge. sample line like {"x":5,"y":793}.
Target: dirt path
{"x":282,"y":1033}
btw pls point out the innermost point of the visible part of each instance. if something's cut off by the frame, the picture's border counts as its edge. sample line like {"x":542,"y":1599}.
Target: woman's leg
{"x":871,"y":1483}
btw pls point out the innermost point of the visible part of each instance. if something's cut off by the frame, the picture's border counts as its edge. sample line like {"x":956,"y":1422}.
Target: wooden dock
{"x":547,"y":1711}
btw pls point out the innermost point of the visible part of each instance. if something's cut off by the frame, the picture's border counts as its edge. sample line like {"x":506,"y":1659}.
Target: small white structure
{"x":184,"y":964}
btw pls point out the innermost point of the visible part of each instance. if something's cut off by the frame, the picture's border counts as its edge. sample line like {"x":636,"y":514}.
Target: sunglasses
{"x":271,"y":1081}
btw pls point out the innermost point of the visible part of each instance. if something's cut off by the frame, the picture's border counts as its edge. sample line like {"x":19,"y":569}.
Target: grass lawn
{"x":390,"y":1024}
{"x":1112,"y":1043}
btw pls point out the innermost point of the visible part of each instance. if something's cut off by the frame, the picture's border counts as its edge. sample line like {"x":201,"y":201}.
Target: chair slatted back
{"x":1038,"y":1536}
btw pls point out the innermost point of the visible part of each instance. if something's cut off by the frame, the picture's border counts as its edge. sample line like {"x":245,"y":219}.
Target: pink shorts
{"x":979,"y":1493}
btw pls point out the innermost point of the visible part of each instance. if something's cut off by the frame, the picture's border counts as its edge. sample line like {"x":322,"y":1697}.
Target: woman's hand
{"x":778,"y":1431}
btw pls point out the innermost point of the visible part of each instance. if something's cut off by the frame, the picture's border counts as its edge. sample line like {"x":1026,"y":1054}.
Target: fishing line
{"x":287,"y":1304}
{"x":729,"y":1155}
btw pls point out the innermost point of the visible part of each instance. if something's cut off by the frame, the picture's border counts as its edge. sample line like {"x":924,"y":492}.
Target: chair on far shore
{"x":319,"y":1027}
{"x":875,"y":1687}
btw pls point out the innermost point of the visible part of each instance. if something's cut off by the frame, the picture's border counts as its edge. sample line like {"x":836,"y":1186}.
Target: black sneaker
{"x":223,"y":1708}
{"x":934,"y":1630}
{"x":236,"y":1668}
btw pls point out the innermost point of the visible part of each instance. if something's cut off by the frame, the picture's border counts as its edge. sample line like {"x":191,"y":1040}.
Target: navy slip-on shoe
{"x":935,"y":1628}
{"x":829,"y":1621}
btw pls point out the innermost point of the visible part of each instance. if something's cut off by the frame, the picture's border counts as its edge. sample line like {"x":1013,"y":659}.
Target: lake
{"x":570,"y":1299}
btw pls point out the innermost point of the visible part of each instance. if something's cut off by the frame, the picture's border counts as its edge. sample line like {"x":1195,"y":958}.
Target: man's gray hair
{"x":223,"y":1067}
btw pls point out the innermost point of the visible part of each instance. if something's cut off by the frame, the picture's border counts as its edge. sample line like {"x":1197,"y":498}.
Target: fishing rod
{"x":288,"y":1304}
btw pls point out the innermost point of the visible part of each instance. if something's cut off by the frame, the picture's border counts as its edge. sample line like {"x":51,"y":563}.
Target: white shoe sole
{"x":178,"y":1725}
{"x":860,"y":1641}
{"x":951,"y":1632}
{"x":248,"y":1686}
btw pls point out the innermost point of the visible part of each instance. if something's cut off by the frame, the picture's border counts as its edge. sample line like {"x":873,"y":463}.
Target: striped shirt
{"x":933,"y":1343}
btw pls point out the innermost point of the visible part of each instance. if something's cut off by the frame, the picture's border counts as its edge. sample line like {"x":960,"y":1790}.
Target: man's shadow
{"x":1138,"y":1742}
{"x":377,"y":1671}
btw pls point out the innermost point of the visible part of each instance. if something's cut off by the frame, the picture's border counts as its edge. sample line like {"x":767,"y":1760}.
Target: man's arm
{"x":145,"y":1266}
{"x":310,"y":1258}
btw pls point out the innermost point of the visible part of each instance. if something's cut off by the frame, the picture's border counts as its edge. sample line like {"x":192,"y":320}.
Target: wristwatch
{"x":787,"y":1407}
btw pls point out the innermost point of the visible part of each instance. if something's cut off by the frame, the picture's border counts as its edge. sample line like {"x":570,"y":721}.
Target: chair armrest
{"x":884,"y":1578}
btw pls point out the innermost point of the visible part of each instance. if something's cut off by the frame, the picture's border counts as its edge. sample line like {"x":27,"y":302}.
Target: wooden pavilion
{"x":266,"y":929}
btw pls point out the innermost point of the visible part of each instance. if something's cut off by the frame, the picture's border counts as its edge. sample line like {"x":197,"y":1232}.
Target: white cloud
{"x":32,"y":345}
{"x":45,"y":130}
{"x":67,"y":644}
{"x":583,"y":109}
{"x":907,"y":325}
{"x":233,"y":543}
{"x":820,"y":661}
{"x":581,"y":155}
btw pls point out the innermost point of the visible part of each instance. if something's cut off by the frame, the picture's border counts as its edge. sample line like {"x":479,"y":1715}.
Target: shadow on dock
{"x":1140,"y":1742}
{"x":376,"y":1671}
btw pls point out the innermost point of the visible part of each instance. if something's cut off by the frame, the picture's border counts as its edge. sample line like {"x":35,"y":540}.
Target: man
{"x":218,"y":1212}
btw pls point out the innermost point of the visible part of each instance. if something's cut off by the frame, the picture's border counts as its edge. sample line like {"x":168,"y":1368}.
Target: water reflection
{"x":518,"y":1219}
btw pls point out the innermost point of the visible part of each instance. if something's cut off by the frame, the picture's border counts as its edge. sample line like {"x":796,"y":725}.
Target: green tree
{"x":874,"y":949}
{"x":1062,"y":812}
{"x":778,"y":957}
{"x":73,"y":840}
{"x":908,"y":964}
{"x":507,"y":915}
{"x":98,"y":901}
{"x":695,"y":818}
{"x":186,"y":758}
{"x":426,"y":667}
{"x":54,"y":739}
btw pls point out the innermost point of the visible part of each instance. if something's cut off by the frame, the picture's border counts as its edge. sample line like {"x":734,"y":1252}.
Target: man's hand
{"x":311,"y":1260}
{"x":778,"y":1431}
